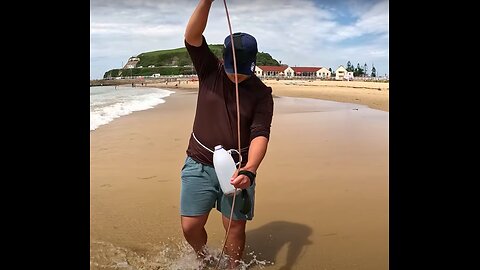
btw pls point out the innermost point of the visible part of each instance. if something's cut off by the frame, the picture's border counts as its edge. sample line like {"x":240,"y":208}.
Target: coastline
{"x":375,"y":95}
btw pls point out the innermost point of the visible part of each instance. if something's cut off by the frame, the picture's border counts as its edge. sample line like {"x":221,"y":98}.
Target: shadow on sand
{"x":269,"y":239}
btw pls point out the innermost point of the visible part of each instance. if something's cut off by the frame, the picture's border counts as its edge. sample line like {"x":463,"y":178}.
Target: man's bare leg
{"x":195,"y":233}
{"x":236,"y":240}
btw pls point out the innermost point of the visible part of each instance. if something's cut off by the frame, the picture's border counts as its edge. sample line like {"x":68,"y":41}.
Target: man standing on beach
{"x":216,"y":123}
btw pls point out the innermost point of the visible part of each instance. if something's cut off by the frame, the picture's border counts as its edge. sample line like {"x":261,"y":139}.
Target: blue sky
{"x":297,"y":32}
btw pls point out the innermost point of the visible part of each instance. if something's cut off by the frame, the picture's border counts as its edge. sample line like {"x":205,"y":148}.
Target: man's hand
{"x":240,"y":181}
{"x":258,"y":147}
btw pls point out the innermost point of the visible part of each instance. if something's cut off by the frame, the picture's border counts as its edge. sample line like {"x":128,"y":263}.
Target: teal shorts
{"x":200,"y":192}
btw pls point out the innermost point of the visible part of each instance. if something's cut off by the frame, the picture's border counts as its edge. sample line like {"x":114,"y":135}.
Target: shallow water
{"x":174,"y":255}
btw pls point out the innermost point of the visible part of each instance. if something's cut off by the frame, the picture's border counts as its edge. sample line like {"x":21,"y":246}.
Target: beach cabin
{"x":340,"y":73}
{"x":324,"y":73}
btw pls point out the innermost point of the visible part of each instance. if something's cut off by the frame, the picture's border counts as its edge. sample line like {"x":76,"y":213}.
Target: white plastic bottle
{"x":224,"y":168}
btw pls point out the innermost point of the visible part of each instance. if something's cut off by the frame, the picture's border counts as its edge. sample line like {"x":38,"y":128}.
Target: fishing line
{"x":238,"y":128}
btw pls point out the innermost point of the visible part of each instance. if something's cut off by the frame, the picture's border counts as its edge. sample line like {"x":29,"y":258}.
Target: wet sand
{"x":321,"y":197}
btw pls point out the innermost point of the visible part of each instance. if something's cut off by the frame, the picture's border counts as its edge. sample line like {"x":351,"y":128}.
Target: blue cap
{"x":245,"y":53}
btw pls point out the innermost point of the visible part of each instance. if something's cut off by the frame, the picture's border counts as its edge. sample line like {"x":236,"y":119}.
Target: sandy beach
{"x":372,"y":94}
{"x":321,"y":196}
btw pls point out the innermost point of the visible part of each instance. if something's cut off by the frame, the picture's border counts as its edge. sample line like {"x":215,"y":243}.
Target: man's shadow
{"x":265,"y":242}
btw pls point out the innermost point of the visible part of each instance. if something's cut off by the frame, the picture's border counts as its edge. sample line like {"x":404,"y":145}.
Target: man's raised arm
{"x":197,"y":23}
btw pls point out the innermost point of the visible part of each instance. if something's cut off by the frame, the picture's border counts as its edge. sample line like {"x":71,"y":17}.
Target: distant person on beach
{"x":216,"y":123}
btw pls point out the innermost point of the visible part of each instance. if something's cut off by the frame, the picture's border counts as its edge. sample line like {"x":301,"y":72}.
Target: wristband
{"x":250,"y":175}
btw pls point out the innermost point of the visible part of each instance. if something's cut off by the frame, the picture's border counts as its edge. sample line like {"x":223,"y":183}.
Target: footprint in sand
{"x":146,"y":178}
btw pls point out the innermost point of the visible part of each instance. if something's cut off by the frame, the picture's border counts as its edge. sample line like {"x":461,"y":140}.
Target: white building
{"x":289,"y":72}
{"x":324,"y":73}
{"x":340,"y":73}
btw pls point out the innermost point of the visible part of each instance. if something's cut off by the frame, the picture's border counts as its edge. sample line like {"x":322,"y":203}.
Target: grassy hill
{"x":175,"y":62}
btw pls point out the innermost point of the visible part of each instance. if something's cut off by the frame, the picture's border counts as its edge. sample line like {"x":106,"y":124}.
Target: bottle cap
{"x":218,"y":147}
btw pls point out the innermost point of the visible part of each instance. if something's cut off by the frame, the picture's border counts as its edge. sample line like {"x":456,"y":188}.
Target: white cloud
{"x":301,"y":32}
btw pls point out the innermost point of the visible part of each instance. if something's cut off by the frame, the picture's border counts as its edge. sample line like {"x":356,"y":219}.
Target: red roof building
{"x":306,"y":71}
{"x":290,"y":72}
{"x":270,"y":70}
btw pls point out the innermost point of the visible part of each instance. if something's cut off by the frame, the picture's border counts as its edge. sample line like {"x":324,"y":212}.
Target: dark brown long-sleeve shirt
{"x":216,"y":116}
